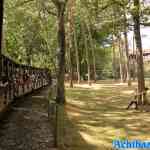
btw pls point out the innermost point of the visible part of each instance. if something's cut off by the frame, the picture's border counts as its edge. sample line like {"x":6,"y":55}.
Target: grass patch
{"x":96,"y":115}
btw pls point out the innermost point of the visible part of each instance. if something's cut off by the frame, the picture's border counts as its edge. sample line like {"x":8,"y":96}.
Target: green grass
{"x":96,"y":115}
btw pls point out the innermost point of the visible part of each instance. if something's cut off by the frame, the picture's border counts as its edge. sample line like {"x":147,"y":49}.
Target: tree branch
{"x":146,"y":24}
{"x":56,"y":2}
{"x":51,"y":12}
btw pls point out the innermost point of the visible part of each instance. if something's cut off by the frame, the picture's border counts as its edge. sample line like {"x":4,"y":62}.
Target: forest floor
{"x":95,"y":115}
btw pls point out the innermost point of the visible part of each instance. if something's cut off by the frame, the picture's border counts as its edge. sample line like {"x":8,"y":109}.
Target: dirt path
{"x":27,"y":126}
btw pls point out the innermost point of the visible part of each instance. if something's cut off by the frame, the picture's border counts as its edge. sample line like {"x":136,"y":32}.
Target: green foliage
{"x":29,"y":34}
{"x":31,"y":37}
{"x":104,"y":63}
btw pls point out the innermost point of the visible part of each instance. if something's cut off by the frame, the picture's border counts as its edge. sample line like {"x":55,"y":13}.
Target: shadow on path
{"x":26,"y":126}
{"x":99,"y":116}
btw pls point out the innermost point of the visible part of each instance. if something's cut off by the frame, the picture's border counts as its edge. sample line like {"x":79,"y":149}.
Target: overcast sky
{"x":145,"y":34}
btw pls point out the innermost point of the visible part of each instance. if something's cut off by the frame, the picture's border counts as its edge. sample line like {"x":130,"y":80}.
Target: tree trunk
{"x":70,"y":63}
{"x":29,"y":54}
{"x":1,"y":32}
{"x":140,"y":67}
{"x":134,"y":63}
{"x":87,"y":55}
{"x":71,"y":4}
{"x":73,"y":9}
{"x":93,"y":52}
{"x":114,"y":59}
{"x":60,"y":97}
{"x":1,"y":24}
{"x":127,"y":59}
{"x":77,"y":57}
{"x":96,"y":6}
{"x":127,"y":51}
{"x":124,"y":71}
{"x":120,"y":59}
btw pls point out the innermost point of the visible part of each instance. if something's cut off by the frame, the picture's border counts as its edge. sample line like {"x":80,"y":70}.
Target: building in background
{"x":145,"y":35}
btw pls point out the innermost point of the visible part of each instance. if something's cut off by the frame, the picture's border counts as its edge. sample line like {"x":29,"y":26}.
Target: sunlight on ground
{"x":96,"y":115}
{"x":95,"y":86}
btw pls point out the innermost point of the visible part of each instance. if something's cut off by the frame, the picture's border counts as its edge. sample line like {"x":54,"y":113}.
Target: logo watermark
{"x":133,"y":144}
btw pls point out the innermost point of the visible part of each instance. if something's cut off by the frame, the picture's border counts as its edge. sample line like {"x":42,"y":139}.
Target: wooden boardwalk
{"x":26,"y":127}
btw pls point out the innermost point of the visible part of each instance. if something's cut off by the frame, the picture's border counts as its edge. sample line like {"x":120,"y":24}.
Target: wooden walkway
{"x":26,"y":127}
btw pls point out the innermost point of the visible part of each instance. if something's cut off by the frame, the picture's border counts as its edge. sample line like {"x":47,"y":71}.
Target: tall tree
{"x":70,"y":60}
{"x":93,"y":51}
{"x":1,"y":23}
{"x":114,"y":65}
{"x":71,"y":39}
{"x":140,"y":67}
{"x":133,"y":60}
{"x":86,"y":52}
{"x":127,"y":50}
{"x":114,"y":54}
{"x":1,"y":32}
{"x":120,"y":57}
{"x":77,"y":55}
{"x":75,"y":42}
{"x":61,"y":7}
